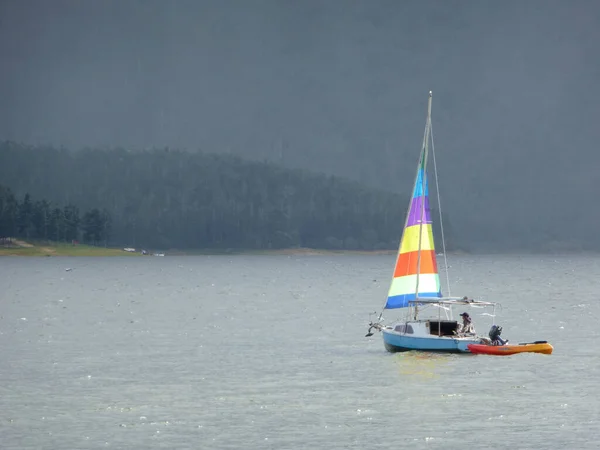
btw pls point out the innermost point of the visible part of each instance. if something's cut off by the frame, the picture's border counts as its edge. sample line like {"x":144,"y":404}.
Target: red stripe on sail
{"x":406,"y":263}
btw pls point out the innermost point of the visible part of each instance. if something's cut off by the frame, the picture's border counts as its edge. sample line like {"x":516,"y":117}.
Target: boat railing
{"x":451,"y":301}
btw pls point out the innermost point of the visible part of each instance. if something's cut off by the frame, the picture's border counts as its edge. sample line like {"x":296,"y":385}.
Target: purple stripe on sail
{"x":414,"y":215}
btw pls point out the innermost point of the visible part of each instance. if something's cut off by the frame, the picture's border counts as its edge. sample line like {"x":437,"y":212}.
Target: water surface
{"x":268,"y":352}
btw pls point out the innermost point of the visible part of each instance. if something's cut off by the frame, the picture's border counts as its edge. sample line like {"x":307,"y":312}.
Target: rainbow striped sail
{"x":414,"y":276}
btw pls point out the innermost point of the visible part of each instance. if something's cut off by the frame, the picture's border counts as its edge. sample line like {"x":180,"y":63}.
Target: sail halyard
{"x":415,"y":272}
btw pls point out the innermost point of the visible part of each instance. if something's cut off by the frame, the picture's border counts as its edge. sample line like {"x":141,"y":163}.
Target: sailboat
{"x":415,"y":287}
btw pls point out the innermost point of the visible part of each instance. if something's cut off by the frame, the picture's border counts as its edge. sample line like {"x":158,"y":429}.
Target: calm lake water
{"x":268,"y":352}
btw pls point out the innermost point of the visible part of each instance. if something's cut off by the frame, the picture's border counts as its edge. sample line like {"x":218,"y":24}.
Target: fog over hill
{"x":338,"y":86}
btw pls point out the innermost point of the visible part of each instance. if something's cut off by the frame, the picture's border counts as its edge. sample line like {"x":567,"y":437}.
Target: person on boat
{"x":467,"y":325}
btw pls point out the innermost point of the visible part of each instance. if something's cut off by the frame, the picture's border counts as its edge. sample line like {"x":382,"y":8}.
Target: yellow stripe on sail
{"x":410,"y":238}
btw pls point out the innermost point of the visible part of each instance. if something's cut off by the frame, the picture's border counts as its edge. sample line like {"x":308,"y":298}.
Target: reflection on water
{"x":422,"y":364}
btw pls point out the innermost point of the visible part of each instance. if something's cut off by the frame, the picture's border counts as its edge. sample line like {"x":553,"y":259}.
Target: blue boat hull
{"x":401,"y":343}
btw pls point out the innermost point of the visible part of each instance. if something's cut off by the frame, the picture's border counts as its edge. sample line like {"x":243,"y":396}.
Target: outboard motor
{"x":495,"y":332}
{"x":494,"y":335}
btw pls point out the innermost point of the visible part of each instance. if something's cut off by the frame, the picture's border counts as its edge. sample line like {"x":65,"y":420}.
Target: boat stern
{"x":462,"y":344}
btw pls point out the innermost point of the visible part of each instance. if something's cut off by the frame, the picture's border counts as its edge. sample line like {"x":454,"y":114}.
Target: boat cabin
{"x":442,"y":327}
{"x":434,"y":327}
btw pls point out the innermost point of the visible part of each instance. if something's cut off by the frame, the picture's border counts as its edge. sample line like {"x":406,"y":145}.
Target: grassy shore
{"x":21,"y":248}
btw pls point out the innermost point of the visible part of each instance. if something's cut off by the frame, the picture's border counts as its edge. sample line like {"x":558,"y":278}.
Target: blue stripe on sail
{"x":401,"y":301}
{"x":419,"y":185}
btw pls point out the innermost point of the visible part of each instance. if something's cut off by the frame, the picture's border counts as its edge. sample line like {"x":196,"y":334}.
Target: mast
{"x":426,"y":151}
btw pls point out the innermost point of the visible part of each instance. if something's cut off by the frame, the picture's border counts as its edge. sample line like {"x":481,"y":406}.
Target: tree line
{"x":175,"y":199}
{"x":41,"y":220}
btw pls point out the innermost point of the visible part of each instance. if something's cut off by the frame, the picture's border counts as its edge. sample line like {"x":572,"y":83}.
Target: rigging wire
{"x":437,"y":189}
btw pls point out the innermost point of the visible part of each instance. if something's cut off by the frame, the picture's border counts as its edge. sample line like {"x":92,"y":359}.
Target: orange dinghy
{"x":502,"y":350}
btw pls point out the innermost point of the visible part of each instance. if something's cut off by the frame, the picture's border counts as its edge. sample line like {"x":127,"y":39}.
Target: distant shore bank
{"x":18,"y":247}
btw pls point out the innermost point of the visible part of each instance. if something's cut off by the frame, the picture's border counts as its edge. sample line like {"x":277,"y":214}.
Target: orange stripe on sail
{"x":407,"y":263}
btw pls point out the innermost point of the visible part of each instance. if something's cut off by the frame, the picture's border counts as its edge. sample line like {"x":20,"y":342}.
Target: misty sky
{"x":335,"y":85}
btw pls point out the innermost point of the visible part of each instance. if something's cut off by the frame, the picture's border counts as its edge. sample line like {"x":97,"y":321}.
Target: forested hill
{"x":174,"y":199}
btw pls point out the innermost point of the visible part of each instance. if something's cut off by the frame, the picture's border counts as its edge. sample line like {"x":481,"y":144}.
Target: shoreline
{"x":273,"y":252}
{"x":47,"y":249}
